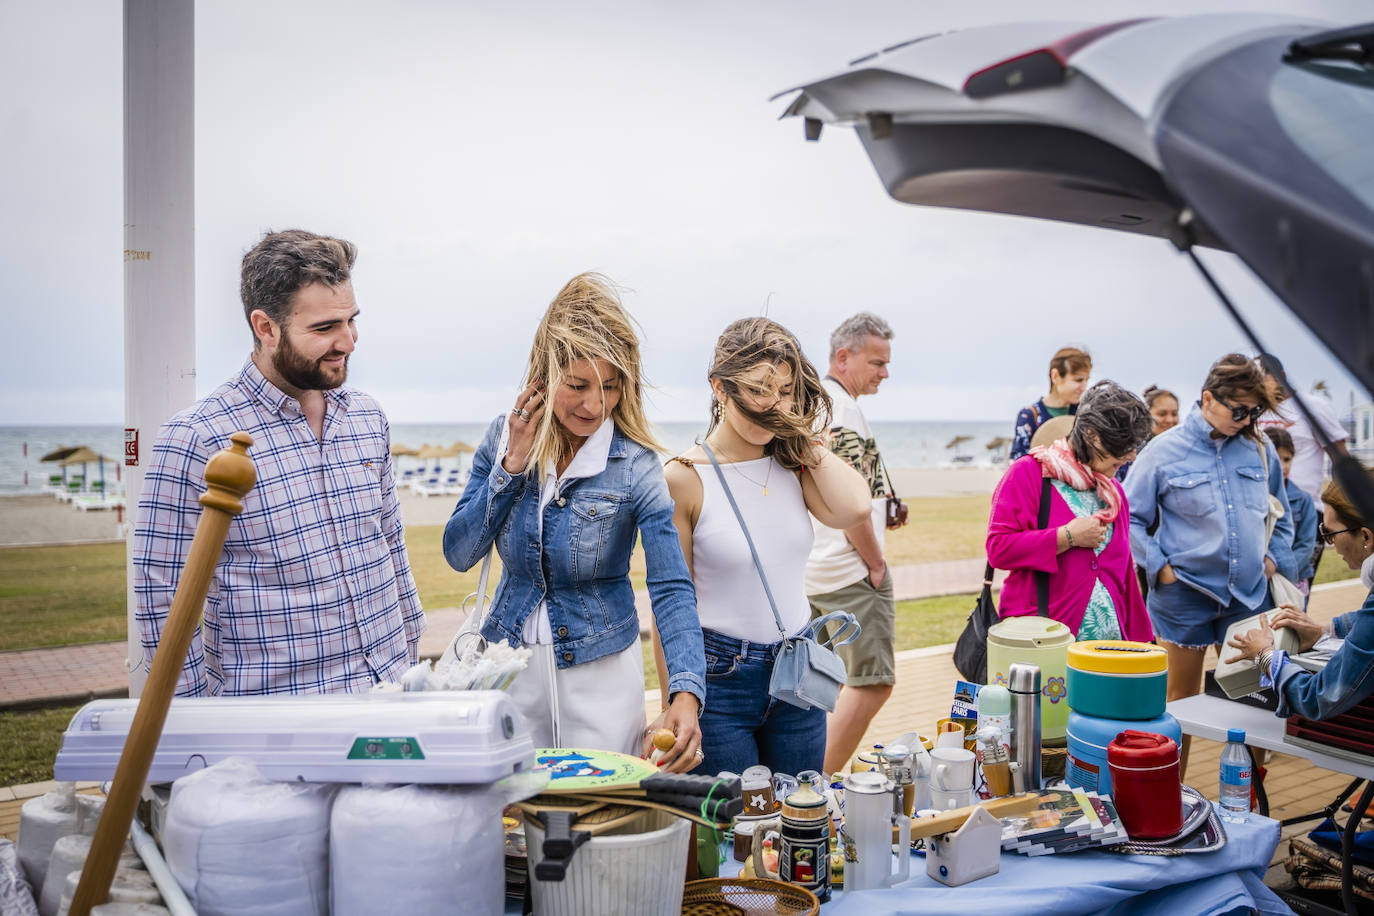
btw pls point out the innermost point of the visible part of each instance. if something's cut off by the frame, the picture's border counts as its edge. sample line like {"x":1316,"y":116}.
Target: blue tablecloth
{"x":1094,"y":882}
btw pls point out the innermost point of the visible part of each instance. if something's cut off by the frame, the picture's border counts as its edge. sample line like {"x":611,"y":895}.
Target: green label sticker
{"x":386,"y":749}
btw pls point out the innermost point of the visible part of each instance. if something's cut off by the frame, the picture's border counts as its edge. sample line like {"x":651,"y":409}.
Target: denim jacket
{"x":1210,"y":500}
{"x":581,"y":566}
{"x":1347,"y":678}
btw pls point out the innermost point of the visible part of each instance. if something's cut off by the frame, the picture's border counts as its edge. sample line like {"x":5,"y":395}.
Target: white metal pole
{"x":159,"y":240}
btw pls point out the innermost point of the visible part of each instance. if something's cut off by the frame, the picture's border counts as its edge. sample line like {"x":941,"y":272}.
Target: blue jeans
{"x":742,"y":725}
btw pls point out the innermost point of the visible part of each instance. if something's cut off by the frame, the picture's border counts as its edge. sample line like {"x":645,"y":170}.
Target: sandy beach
{"x":40,"y":519}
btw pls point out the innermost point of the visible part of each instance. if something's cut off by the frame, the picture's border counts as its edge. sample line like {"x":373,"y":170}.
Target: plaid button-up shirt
{"x":313,"y":591}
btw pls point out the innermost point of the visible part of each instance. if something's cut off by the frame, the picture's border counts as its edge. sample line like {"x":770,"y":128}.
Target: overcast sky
{"x":481,"y":153}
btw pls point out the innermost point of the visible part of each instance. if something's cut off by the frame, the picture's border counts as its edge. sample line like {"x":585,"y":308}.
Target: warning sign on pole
{"x":131,"y":447}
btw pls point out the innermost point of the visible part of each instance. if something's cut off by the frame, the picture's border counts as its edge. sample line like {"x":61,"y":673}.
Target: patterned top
{"x":862,"y":455}
{"x":1029,"y":420}
{"x":1099,"y":619}
{"x":313,"y":591}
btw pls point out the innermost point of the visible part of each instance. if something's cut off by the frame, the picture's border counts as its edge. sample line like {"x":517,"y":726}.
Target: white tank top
{"x":730,"y":596}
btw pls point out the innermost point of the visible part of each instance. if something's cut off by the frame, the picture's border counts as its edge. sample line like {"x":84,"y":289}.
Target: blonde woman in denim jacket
{"x":561,"y":486}
{"x":1208,"y":482}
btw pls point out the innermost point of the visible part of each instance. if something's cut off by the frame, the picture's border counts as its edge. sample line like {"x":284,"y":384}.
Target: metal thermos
{"x":1023,"y":682}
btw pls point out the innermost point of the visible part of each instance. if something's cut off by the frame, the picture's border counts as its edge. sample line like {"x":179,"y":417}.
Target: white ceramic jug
{"x":870,"y":812}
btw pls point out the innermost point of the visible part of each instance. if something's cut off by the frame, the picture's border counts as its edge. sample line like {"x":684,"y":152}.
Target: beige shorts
{"x":868,"y":660}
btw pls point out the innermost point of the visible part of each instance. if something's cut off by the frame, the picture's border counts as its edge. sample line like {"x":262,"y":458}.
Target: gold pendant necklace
{"x":732,"y":463}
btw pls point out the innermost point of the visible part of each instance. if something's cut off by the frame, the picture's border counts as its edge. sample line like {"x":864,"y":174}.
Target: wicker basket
{"x":741,"y":896}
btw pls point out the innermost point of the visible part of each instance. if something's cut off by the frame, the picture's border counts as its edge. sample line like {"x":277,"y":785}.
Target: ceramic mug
{"x":953,"y":733}
{"x":756,"y":788}
{"x":951,"y":770}
{"x":946,"y":799}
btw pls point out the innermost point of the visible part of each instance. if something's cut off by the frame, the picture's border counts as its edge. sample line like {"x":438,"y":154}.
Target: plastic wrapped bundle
{"x":130,"y":909}
{"x":15,"y":897}
{"x":435,"y":850}
{"x":69,"y":855}
{"x":42,"y":822}
{"x":130,"y":885}
{"x":239,"y":843}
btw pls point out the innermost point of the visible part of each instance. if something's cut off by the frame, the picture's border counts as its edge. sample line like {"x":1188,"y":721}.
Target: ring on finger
{"x":523,"y":414}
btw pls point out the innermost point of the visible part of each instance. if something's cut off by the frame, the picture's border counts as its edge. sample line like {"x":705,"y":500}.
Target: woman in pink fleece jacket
{"x":1085,"y":547}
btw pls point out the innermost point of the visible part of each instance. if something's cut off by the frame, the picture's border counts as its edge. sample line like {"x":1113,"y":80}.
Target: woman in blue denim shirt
{"x":1207,"y":482}
{"x":767,"y":403}
{"x":560,"y":486}
{"x":1349,"y":674}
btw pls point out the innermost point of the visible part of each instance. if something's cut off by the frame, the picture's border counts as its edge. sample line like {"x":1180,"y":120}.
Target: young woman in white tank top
{"x":767,"y":401}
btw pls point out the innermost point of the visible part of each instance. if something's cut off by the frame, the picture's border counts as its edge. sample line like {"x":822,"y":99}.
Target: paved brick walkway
{"x":74,"y":674}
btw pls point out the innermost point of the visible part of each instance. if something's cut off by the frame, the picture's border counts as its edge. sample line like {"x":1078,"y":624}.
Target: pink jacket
{"x":1016,"y":545}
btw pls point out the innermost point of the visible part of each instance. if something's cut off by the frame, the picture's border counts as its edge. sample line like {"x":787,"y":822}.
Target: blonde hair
{"x":745,"y":345}
{"x":586,"y":320}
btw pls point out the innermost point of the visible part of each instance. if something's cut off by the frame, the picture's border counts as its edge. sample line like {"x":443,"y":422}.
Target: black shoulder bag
{"x":971,"y":651}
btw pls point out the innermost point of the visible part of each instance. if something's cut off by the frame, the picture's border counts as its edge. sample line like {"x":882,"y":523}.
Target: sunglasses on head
{"x":1326,"y":535}
{"x":1239,"y":414}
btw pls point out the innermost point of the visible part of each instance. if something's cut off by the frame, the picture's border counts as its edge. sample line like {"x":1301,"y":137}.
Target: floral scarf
{"x":1057,"y":461}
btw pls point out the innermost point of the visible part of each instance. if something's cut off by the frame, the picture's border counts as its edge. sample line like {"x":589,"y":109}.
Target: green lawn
{"x":31,"y":740}
{"x":53,"y":596}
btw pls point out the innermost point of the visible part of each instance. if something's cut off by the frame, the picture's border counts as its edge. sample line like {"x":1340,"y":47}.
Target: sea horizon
{"x":903,"y":443}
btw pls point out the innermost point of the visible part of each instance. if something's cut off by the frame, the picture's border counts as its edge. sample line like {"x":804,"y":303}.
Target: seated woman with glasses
{"x":1349,"y":674}
{"x":1208,"y":483}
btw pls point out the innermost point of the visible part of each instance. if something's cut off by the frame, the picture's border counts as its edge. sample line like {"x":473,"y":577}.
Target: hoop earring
{"x":717,"y":409}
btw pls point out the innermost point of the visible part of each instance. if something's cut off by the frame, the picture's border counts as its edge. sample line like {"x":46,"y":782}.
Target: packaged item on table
{"x":964,"y":709}
{"x":1117,"y":679}
{"x":238,"y":843}
{"x":15,"y":895}
{"x":42,"y":822}
{"x":130,"y":885}
{"x":420,"y":843}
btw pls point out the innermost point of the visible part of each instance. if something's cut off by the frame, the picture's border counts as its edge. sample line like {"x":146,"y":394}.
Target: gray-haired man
{"x":846,"y":570}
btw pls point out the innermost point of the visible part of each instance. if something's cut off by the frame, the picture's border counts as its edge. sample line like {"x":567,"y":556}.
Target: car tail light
{"x":1039,"y":68}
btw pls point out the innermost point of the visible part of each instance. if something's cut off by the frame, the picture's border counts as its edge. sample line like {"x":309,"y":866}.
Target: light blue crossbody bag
{"x":806,"y":673}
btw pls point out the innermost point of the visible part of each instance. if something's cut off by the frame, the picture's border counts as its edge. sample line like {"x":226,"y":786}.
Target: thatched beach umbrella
{"x":955,"y":444}
{"x":59,"y":454}
{"x":398,"y":450}
{"x":84,"y":456}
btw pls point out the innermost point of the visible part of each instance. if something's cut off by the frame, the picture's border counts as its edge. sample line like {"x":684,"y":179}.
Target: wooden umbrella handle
{"x":229,"y":475}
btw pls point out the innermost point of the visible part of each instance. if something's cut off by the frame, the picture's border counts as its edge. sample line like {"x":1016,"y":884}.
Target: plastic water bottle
{"x":1235,"y":778}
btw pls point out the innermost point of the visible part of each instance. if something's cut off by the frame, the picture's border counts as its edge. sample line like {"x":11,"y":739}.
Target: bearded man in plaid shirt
{"x":313,"y":591}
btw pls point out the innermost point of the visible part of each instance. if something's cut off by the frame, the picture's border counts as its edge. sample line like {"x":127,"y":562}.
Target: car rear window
{"x":1327,"y":109}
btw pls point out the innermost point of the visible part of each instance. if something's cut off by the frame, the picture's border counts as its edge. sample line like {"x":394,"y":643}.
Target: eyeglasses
{"x":1328,"y":536}
{"x":1239,"y":414}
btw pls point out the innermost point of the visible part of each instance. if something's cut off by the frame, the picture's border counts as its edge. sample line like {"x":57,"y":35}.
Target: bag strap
{"x":745,"y":528}
{"x":1042,"y":579}
{"x":847,"y":631}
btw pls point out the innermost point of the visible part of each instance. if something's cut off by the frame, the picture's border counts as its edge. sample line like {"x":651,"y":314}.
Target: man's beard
{"x":305,"y":374}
